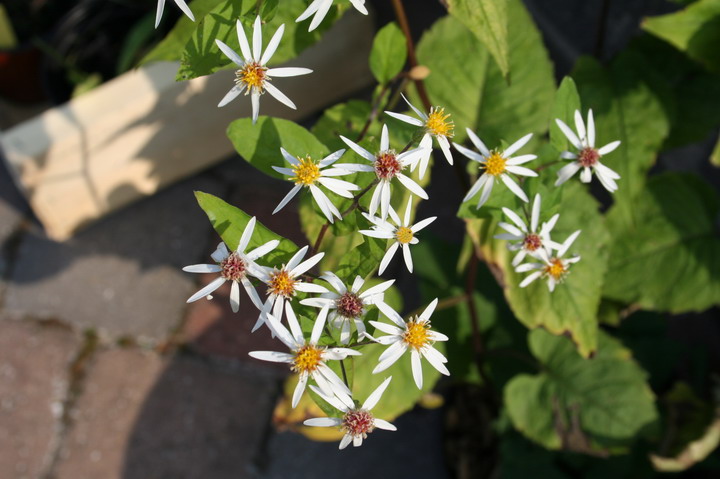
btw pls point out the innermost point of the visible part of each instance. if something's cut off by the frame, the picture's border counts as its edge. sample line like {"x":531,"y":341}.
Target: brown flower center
{"x":387,"y":165}
{"x":588,"y":157}
{"x":532,"y":242}
{"x":358,"y":422}
{"x":233,"y":267}
{"x":349,"y":305}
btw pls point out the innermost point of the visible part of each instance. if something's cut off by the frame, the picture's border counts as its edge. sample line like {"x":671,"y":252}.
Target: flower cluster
{"x":322,"y":326}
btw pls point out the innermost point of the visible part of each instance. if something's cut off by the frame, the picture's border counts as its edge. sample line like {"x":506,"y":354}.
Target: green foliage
{"x":171,"y":47}
{"x":567,"y":101}
{"x":472,"y":88}
{"x":626,"y":108}
{"x":488,"y":21}
{"x":229,"y":222}
{"x":260,"y":144}
{"x":695,"y":30}
{"x":388,"y":53}
{"x":669,"y":260}
{"x":201,"y":56}
{"x":587,"y":405}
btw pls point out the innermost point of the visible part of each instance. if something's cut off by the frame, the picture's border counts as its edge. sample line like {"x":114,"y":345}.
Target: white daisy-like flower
{"x":319,"y":9}
{"x":386,"y":165}
{"x":402,"y":232}
{"x":348,"y":305}
{"x":254,"y":76}
{"x":554,"y":268}
{"x":414,"y":335}
{"x":234,"y":266}
{"x":587,"y":156}
{"x":357,"y":422}
{"x":435,"y":124}
{"x":307,"y":173}
{"x":529,"y":240}
{"x":306,"y":357}
{"x":283,"y":284}
{"x":497,"y":165}
{"x":180,"y":3}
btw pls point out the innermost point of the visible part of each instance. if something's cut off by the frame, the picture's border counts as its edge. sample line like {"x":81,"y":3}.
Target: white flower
{"x":283,"y":284}
{"x":306,"y":357}
{"x":357,"y":422}
{"x":587,"y":157}
{"x":386,"y":165}
{"x":320,"y":9}
{"x":253,"y":75}
{"x":554,"y":269}
{"x":436,"y":124}
{"x":530,"y":241}
{"x":497,"y":165}
{"x":235,"y":267}
{"x":180,"y":3}
{"x":348,"y":305}
{"x":414,"y":335}
{"x":402,"y":232}
{"x":306,"y":173}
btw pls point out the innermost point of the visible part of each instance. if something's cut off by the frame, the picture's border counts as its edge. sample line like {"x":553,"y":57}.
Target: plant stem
{"x":405,"y":26}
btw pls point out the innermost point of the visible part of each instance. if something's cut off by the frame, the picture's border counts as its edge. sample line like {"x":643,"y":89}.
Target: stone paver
{"x":122,"y":274}
{"x":34,"y":364}
{"x":141,"y":416}
{"x":414,"y":450}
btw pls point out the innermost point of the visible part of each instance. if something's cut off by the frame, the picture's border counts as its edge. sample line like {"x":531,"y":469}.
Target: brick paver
{"x":142,"y":416}
{"x":34,"y":364}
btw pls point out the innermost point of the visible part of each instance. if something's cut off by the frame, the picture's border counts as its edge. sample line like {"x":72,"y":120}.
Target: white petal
{"x":428,"y":311}
{"x":422,"y":224}
{"x":515,"y":219}
{"x":384,"y":139}
{"x":608,"y":148}
{"x":235,"y":296}
{"x":382,"y":366}
{"x":247,"y":234}
{"x":319,"y":325}
{"x":299,"y":389}
{"x":231,"y":95}
{"x":230,"y":53}
{"x":257,"y":41}
{"x":345,"y":441}
{"x":416,"y":368}
{"x":243,"y":41}
{"x":383,"y":424}
{"x":375,"y":396}
{"x":387,"y":328}
{"x":566,"y":172}
{"x":272,"y":46}
{"x":209,"y":288}
{"x":580,"y":126}
{"x":519,"y":160}
{"x":320,"y":15}
{"x":568,"y":242}
{"x":514,"y":187}
{"x":388,"y":256}
{"x":435,"y":361}
{"x":412,"y":186}
{"x":591,"y":129}
{"x":279,"y":96}
{"x":310,"y":287}
{"x":530,"y":279}
{"x":586,"y":175}
{"x":486,"y":190}
{"x":384,"y":199}
{"x":358,"y":149}
{"x":311,"y":9}
{"x":405,"y":118}
{"x":262,"y":250}
{"x":476,"y":187}
{"x":477,"y":142}
{"x":324,"y":203}
{"x":521,"y":170}
{"x":159,"y":12}
{"x":600,"y":168}
{"x":535,"y":216}
{"x":517,"y":145}
{"x":291,"y":194}
{"x":469,"y":153}
{"x":272,"y":356}
{"x":339,"y":187}
{"x":323,"y":421}
{"x":255,"y":102}
{"x":293,"y":322}
{"x":202,"y":268}
{"x":408,"y":257}
{"x":185,"y":9}
{"x":569,"y":134}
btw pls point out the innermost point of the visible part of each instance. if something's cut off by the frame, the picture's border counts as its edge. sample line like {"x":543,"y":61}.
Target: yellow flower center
{"x":417,"y":334}
{"x":281,"y":284}
{"x":306,"y":173}
{"x":252,"y":75}
{"x":404,"y":235}
{"x":495,"y":164}
{"x":556,"y":269}
{"x":438,"y":124}
{"x":307,"y":359}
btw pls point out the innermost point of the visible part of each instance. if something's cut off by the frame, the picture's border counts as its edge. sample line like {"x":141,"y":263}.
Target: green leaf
{"x":626,"y":108}
{"x":171,"y":47}
{"x":388,"y":53}
{"x":488,"y":21}
{"x":572,"y":308}
{"x":471,"y":87}
{"x":695,"y":30}
{"x":567,"y":100}
{"x":597,"y":405}
{"x":362,"y":260}
{"x":670,"y":259}
{"x":229,"y":222}
{"x":201,"y":56}
{"x":260,"y":144}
